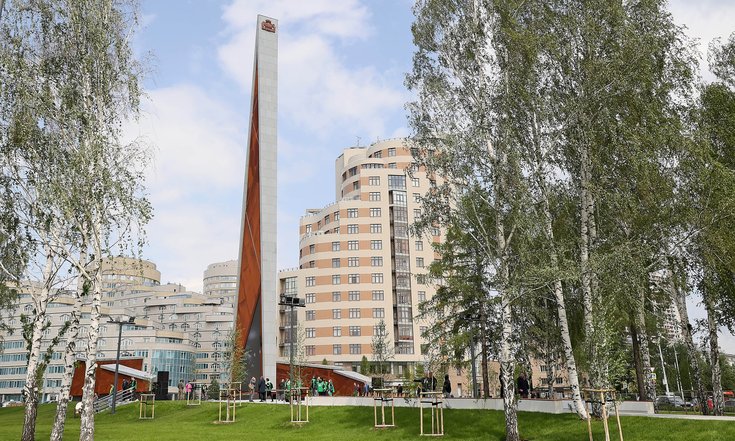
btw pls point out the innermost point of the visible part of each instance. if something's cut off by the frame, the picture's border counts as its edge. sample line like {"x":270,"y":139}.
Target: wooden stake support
{"x":384,"y":396}
{"x":296,"y":395}
{"x":147,"y":404}
{"x":227,"y":397}
{"x":435,"y":401}
{"x":590,"y":396}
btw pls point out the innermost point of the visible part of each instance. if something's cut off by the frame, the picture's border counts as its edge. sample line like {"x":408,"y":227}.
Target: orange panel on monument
{"x":249,"y":294}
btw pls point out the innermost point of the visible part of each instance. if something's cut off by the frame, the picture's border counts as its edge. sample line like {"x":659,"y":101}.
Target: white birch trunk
{"x":87,"y":421}
{"x":57,"y":432}
{"x":714,"y":356}
{"x":506,"y":339}
{"x":686,"y":332}
{"x":30,"y":388}
{"x":586,"y":238}
{"x":649,"y":393}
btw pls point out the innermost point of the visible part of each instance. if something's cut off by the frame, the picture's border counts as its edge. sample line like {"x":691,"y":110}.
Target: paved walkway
{"x":692,"y":417}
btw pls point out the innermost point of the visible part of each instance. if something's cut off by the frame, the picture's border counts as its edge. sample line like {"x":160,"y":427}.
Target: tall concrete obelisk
{"x":257,"y":284}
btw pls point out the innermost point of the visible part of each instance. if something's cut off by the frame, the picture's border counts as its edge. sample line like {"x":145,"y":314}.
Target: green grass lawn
{"x":176,"y":421}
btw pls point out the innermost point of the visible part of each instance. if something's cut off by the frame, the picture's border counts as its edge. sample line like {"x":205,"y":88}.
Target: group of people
{"x":126,"y":384}
{"x":262,"y":387}
{"x":186,"y":389}
{"x":321,"y":387}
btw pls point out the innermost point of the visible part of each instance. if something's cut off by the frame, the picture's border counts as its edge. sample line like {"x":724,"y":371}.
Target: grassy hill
{"x":176,"y":421}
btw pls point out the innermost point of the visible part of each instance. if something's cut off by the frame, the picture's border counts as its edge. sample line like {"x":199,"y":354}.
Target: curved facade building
{"x":358,"y":264}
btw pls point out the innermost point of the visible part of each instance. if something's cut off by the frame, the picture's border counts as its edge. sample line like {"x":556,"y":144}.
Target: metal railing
{"x":123,"y":397}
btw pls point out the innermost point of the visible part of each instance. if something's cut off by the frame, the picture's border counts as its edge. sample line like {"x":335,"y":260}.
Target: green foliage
{"x":213,"y":390}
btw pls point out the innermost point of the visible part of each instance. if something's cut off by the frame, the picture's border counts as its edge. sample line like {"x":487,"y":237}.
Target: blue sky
{"x":341,"y":69}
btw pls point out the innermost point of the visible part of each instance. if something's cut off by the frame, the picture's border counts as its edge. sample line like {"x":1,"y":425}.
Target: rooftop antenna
{"x":358,"y":141}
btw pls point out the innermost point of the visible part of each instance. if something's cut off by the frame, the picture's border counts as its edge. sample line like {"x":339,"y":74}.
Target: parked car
{"x":12,"y":403}
{"x":671,"y":401}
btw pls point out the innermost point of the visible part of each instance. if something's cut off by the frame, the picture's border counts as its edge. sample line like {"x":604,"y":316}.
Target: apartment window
{"x":377,"y":277}
{"x":375,"y":212}
{"x":415,"y":182}
{"x":435,"y":231}
{"x":353,"y":278}
{"x":392,"y":151}
{"x":417,"y":197}
{"x":336,"y":296}
{"x":310,"y":281}
{"x":374,"y":196}
{"x":336,"y":216}
{"x":335,"y":246}
{"x":337,"y":349}
{"x":353,"y":229}
{"x":336,"y":331}
{"x":335,"y":262}
{"x":308,"y":229}
{"x":378,"y":294}
{"x":379,"y":331}
{"x":422,"y":331}
{"x":336,"y":279}
{"x":397,"y":181}
{"x":355,"y":331}
{"x":326,"y":219}
{"x":376,"y":244}
{"x":421,"y":279}
{"x":353,"y":261}
{"x":374,"y":180}
{"x":422,"y":296}
{"x":419,"y":262}
{"x":310,"y":297}
{"x":378,"y":154}
{"x":419,"y":245}
{"x":312,"y":263}
{"x":310,"y":332}
{"x":354,"y":296}
{"x":310,"y":350}
{"x":336,"y":230}
{"x":354,"y":312}
{"x":352,"y":212}
{"x":312,"y":249}
{"x":356,"y":185}
{"x":378,"y":313}
{"x":336,"y":314}
{"x":392,"y":165}
{"x":416,"y":213}
{"x":376,"y":228}
{"x":353,"y":245}
{"x":355,"y":349}
{"x":376,"y":261}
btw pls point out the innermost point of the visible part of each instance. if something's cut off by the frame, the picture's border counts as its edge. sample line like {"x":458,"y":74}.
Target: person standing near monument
{"x":181,"y":390}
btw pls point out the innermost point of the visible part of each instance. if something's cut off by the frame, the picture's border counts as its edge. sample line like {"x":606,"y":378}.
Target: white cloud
{"x":705,"y":20}
{"x":318,"y":91}
{"x":195,"y":182}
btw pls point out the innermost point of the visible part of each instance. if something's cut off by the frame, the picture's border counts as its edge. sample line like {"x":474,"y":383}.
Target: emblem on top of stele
{"x":268,"y":26}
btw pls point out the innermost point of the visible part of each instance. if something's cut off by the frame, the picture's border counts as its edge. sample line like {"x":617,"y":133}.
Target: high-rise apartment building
{"x":359,"y":265}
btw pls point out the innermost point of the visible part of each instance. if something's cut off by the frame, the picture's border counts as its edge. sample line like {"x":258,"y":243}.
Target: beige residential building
{"x":358,"y":264}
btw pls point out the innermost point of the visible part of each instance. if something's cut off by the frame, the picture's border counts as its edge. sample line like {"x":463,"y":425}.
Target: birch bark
{"x":40,"y":296}
{"x":57,"y":431}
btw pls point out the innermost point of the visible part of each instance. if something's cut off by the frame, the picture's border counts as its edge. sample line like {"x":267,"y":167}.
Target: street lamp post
{"x":291,"y":302}
{"x":119,"y":322}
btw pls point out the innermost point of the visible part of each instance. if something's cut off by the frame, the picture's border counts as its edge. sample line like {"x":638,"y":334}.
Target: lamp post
{"x":124,"y":320}
{"x":291,"y":301}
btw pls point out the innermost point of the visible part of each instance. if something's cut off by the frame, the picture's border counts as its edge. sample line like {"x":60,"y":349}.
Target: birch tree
{"x":79,"y":67}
